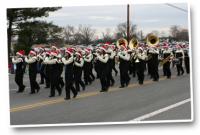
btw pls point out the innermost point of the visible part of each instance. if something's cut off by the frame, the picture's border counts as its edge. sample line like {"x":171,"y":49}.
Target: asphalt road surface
{"x":168,"y":99}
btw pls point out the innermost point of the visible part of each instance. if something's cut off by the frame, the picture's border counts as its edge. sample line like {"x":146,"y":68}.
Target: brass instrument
{"x":165,"y":60}
{"x":152,"y":40}
{"x":121,"y":41}
{"x":133,"y":43}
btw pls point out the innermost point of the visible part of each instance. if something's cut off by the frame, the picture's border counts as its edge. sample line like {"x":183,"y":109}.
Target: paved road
{"x":117,"y":105}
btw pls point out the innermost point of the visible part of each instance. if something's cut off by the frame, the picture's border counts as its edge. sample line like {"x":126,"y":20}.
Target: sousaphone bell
{"x":121,"y":41}
{"x":152,"y":40}
{"x":133,"y":43}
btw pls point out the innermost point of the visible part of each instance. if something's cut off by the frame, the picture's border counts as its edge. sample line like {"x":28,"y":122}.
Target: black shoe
{"x":127,"y":83}
{"x":121,"y":86}
{"x":116,"y":73}
{"x":106,"y":89}
{"x":75,"y":95}
{"x":83,"y":88}
{"x":47,"y":87}
{"x":103,"y":91}
{"x":112,"y":84}
{"x":60,"y":93}
{"x":140,"y":83}
{"x":19,"y":91}
{"x":52,"y":96}
{"x":62,"y":85}
{"x":32,"y":92}
{"x":169,"y":77}
{"x":42,"y":82}
{"x":67,"y":98}
{"x":23,"y":88}
{"x":38,"y":89}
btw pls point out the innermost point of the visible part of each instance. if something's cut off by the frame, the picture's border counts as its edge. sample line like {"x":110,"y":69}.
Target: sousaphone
{"x":121,"y":41}
{"x":133,"y":43}
{"x":152,"y":40}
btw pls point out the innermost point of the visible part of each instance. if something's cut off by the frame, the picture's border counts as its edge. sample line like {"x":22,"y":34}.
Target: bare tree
{"x":155,"y":32}
{"x":174,"y":30}
{"x":69,"y":32}
{"x":87,"y":34}
{"x":106,"y":36}
{"x":140,"y":35}
{"x":182,"y":35}
{"x":121,"y":30}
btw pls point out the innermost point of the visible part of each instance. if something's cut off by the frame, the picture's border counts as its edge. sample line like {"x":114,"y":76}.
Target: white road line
{"x":149,"y":115}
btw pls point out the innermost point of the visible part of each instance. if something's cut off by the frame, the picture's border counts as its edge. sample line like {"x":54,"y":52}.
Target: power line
{"x":171,"y":5}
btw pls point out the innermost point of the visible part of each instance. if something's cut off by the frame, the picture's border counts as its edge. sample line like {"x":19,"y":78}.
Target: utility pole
{"x":128,"y":23}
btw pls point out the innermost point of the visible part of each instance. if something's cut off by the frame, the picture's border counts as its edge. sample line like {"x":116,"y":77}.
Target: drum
{"x":176,"y":61}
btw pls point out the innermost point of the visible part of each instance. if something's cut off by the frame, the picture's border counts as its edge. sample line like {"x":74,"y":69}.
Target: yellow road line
{"x":88,"y":94}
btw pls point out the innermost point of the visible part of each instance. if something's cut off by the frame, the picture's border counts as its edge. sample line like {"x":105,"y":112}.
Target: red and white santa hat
{"x":79,"y":53}
{"x":104,"y":48}
{"x":32,"y":52}
{"x":107,"y":43}
{"x":73,"y":49}
{"x":178,"y":46}
{"x":54,"y":53}
{"x":20,"y":52}
{"x":54,"y":47}
{"x":87,"y":50}
{"x":48,"y":53}
{"x":165,"y":45}
{"x":69,"y":51}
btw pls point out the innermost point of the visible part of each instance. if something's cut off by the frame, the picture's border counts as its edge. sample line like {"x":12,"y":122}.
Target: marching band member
{"x":60,"y":69}
{"x":20,"y":68}
{"x":78,"y":67}
{"x":140,"y":58}
{"x":68,"y":61}
{"x":179,"y":55}
{"x":87,"y":66}
{"x":54,"y":73}
{"x":186,"y":60}
{"x":113,"y":58}
{"x":111,"y":55}
{"x":102,"y":57}
{"x":167,"y":56}
{"x":153,"y":63}
{"x":132,"y":61}
{"x":124,"y":58}
{"x":32,"y":61}
{"x":40,"y":57}
{"x":97,"y":63}
{"x":47,"y":70}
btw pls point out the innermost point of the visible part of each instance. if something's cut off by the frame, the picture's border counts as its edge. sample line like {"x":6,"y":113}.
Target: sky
{"x":147,"y":17}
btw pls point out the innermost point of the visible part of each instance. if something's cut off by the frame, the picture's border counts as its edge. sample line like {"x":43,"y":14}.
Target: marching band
{"x":80,"y":63}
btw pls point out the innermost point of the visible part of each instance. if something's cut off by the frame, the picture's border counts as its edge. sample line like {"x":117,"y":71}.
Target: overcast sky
{"x":147,"y":17}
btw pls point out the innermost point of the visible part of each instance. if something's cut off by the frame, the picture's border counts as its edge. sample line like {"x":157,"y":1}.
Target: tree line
{"x":24,"y":24}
